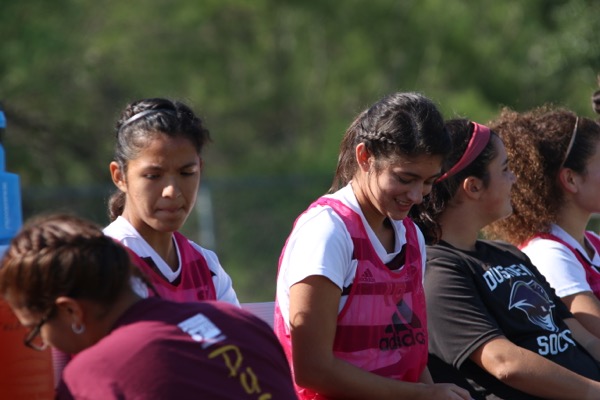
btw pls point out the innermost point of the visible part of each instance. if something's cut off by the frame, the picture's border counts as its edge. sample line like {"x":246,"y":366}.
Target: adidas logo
{"x":367,"y":276}
{"x":405,"y":330}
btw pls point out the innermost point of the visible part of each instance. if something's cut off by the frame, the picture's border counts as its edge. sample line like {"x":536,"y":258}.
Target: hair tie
{"x":144,"y":113}
{"x":479,"y":139}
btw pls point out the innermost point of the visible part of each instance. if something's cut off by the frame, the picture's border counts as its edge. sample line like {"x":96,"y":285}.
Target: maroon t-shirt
{"x":164,"y":350}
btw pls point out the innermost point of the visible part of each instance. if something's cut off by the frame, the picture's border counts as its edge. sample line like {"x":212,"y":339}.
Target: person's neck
{"x":123,"y":303}
{"x":573,"y":221}
{"x":374,"y":218}
{"x":460,"y":227}
{"x":163,"y":245}
{"x":161,"y":242}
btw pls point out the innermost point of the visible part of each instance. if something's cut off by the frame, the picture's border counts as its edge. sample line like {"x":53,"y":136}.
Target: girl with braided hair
{"x":350,"y":309}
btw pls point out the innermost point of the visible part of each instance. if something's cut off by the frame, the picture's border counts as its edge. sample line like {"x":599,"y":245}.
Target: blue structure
{"x":11,"y":216}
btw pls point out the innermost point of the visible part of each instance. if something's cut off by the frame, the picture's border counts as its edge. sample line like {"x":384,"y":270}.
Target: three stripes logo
{"x":405,"y":330}
{"x":367,"y":276}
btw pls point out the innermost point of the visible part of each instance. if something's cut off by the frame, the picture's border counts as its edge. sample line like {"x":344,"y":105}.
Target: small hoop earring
{"x":78,"y":330}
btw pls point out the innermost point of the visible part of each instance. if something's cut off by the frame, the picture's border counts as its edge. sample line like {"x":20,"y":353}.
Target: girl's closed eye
{"x":189,"y":172}
{"x":406,"y":181}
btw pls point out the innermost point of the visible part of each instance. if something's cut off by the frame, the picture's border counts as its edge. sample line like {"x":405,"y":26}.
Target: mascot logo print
{"x":533,"y":300}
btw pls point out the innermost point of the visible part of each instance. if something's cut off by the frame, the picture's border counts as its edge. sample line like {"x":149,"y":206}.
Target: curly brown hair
{"x":536,"y":142}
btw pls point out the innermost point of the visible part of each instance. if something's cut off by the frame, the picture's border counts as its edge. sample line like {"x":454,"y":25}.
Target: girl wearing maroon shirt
{"x":70,"y":284}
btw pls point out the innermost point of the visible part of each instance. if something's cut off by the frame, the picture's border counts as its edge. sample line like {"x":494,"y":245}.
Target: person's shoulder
{"x":506,"y":248}
{"x":318,"y":221}
{"x":442,"y":258}
{"x":443,"y":253}
{"x":593,"y":235}
{"x":230,"y":317}
{"x":209,"y":255}
{"x":501,"y":245}
{"x":223,"y":308}
{"x":441,"y":250}
{"x":121,"y":230}
{"x":200,"y":249}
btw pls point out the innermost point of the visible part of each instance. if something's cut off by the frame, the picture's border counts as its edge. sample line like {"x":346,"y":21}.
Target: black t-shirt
{"x":473,"y":297}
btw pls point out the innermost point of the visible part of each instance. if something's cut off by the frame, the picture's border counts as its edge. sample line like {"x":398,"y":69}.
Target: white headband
{"x":142,"y":114}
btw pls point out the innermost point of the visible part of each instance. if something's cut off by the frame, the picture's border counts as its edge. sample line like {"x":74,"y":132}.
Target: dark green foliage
{"x":277,"y":82}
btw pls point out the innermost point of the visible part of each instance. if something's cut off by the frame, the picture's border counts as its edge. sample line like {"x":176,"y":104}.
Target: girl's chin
{"x":398,"y":215}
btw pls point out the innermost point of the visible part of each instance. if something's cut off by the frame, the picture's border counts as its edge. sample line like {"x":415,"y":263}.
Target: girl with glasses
{"x":71,"y":284}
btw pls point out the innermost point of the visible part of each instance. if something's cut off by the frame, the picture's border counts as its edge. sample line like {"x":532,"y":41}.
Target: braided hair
{"x":398,"y":125}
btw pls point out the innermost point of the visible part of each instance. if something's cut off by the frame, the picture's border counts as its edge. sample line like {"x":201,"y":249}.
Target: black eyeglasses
{"x":33,"y":340}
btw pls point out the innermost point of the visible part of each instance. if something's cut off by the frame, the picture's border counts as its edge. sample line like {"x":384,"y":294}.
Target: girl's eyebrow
{"x":156,"y":167}
{"x":417,"y":176}
{"x":191,"y":164}
{"x":408,"y":173}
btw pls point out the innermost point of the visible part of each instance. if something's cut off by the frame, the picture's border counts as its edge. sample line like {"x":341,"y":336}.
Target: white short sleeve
{"x":222,"y":281}
{"x":318,"y":245}
{"x":559,"y":265}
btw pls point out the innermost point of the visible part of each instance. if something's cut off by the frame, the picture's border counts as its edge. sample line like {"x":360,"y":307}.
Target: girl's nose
{"x":171,"y":191}
{"x":416,"y":194}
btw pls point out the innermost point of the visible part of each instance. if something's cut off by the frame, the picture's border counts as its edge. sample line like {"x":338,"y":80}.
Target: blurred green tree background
{"x":277,"y":83}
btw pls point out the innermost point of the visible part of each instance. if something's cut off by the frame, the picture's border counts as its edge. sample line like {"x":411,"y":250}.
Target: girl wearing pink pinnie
{"x":157,"y":168}
{"x":350,"y":309}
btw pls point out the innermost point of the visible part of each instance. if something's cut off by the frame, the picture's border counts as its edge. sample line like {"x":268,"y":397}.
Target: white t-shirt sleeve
{"x":222,"y":281}
{"x":318,"y":245}
{"x":559,"y":265}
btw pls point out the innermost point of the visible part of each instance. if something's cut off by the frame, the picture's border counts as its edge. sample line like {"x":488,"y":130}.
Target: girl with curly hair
{"x":556,"y":157}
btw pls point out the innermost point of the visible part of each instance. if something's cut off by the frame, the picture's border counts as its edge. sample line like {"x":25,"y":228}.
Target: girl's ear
{"x":117,"y":175}
{"x":362,"y":157}
{"x":568,"y":180}
{"x":472,"y":187}
{"x":69,"y":309}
